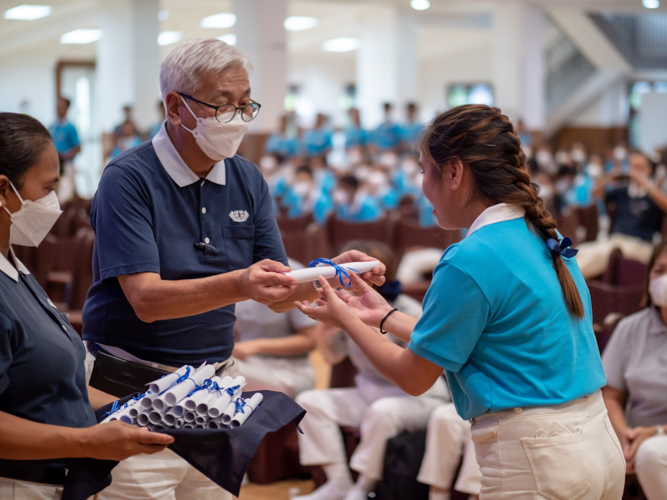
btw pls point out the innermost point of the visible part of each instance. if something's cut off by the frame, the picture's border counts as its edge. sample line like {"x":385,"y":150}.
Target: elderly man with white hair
{"x":184,"y":229}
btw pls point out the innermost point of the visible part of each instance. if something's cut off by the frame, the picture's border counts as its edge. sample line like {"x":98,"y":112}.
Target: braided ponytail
{"x":483,"y":139}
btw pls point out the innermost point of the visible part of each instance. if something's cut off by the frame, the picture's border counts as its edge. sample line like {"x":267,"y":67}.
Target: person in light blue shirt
{"x":507,"y":316}
{"x":355,"y":135}
{"x":388,"y":134}
{"x":318,"y":140}
{"x":304,"y":197}
{"x":412,"y":128}
{"x":64,"y":134}
{"x":155,"y":128}
{"x":354,"y":205}
{"x":279,"y":143}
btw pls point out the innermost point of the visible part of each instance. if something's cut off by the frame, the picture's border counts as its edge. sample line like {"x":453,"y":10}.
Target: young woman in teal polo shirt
{"x":507,"y":316}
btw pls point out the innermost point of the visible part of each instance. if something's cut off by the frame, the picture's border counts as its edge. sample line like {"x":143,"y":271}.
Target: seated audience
{"x":155,"y":128}
{"x":280,"y":143}
{"x":638,"y":206}
{"x":388,"y":134}
{"x":376,"y":404}
{"x":636,"y":370}
{"x":304,"y":197}
{"x":355,"y":135}
{"x":353,"y":204}
{"x":448,"y":438}
{"x":411,"y":129}
{"x":272,"y":348}
{"x":318,"y":140}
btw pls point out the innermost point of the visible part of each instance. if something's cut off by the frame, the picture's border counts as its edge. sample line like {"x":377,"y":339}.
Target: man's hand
{"x":264,"y":282}
{"x":117,"y":441}
{"x":374,"y":277}
{"x":242,"y":350}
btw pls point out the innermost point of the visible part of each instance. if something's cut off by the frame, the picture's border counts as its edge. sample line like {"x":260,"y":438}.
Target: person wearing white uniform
{"x":447,"y":439}
{"x":507,"y":315}
{"x":272,"y":348}
{"x":381,"y":409}
{"x":635,"y":363}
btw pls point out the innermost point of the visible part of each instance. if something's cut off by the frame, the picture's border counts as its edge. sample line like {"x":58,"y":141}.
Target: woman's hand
{"x":331,"y":309}
{"x":375,"y":277}
{"x":117,"y":441}
{"x":370,"y":307}
{"x":635,"y":437}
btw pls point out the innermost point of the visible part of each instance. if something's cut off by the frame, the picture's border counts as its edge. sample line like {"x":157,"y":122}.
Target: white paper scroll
{"x":313,"y":273}
{"x":162,"y":384}
{"x":180,"y":391}
{"x":215,"y":410}
{"x":249,"y":407}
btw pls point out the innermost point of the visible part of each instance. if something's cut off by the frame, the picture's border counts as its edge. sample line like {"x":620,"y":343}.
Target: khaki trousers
{"x":563,"y":452}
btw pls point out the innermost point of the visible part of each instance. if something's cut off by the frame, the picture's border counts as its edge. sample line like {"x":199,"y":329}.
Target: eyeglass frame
{"x":236,"y":108}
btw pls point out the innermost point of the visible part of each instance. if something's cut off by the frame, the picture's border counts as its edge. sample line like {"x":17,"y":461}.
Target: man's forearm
{"x":154,"y":299}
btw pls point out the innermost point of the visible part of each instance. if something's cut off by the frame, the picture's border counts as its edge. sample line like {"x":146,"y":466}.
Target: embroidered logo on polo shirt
{"x":239,"y":215}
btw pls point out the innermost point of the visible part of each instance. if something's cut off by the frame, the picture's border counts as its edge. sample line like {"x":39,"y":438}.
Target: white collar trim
{"x":172,"y":162}
{"x":496,"y":213}
{"x":11,"y":271}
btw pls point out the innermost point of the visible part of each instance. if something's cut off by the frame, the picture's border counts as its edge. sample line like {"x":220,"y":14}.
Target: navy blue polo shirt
{"x":42,"y":374}
{"x":638,"y":217}
{"x":149,"y":211}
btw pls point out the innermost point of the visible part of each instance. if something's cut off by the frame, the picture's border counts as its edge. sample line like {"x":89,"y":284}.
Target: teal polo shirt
{"x":496,"y":320}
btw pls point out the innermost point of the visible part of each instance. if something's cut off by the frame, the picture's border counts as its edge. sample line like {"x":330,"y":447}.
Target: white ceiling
{"x":448,"y":26}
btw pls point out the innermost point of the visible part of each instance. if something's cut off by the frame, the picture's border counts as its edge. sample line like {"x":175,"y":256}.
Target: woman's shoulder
{"x":637,"y":323}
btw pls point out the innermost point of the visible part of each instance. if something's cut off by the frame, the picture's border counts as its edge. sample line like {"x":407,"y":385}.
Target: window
{"x":464,"y":93}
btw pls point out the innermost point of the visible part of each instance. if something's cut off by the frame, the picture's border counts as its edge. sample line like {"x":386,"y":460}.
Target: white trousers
{"x":447,"y":438}
{"x":380,"y":412}
{"x":651,"y":467}
{"x":563,"y":452}
{"x":11,"y":489}
{"x":291,"y":376}
{"x":161,"y":476}
{"x":593,"y":257}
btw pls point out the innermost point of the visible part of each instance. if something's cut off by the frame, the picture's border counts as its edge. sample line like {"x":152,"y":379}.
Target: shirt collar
{"x":496,"y":213}
{"x":172,"y":162}
{"x":656,"y":326}
{"x":10,"y":270}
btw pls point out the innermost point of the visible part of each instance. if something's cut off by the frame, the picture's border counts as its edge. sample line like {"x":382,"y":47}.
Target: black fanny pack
{"x":120,"y":377}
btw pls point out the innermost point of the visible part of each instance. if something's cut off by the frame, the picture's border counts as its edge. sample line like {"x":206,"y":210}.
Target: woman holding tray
{"x":46,"y":410}
{"x":507,"y":316}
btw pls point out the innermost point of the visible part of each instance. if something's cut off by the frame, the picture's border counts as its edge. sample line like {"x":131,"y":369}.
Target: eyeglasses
{"x":248,"y":112}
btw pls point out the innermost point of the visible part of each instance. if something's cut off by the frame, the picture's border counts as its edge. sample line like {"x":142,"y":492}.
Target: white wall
{"x":322,"y":83}
{"x":31,"y":79}
{"x":471,"y":66}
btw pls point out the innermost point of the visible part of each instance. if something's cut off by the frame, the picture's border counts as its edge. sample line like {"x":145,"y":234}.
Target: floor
{"x":283,"y":490}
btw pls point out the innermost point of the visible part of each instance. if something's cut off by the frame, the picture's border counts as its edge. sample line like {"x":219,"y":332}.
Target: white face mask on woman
{"x":657,"y":289}
{"x":33,"y":221}
{"x":218,"y":140}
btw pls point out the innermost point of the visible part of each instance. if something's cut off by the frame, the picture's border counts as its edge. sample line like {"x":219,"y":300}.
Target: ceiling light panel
{"x":343,"y":44}
{"x":300,"y":23}
{"x":222,"y":20}
{"x":28,"y":12}
{"x":81,"y":36}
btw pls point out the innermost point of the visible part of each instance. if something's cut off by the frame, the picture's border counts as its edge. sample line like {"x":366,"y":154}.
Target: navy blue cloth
{"x":222,"y":455}
{"x":145,"y":222}
{"x":42,"y":375}
{"x":638,"y":217}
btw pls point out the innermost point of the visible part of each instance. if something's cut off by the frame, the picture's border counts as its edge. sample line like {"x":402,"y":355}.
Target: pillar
{"x":128,"y":62}
{"x":261,"y":36}
{"x":387,"y":64}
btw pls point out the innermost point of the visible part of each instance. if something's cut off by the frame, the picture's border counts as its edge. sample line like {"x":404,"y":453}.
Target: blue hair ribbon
{"x":563,"y":249}
{"x":341,"y":272}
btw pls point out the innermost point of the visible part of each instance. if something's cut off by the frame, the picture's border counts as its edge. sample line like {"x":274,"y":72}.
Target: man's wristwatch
{"x":659,"y":430}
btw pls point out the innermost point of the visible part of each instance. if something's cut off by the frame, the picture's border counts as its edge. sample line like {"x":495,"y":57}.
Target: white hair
{"x":182,"y":68}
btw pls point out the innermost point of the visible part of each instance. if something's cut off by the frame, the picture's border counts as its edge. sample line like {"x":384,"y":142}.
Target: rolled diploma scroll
{"x":146,"y":402}
{"x":162,"y":384}
{"x":248,"y":409}
{"x":229,"y":411}
{"x":123,"y":413}
{"x":213,"y":395}
{"x":190,"y":403}
{"x":215,"y":410}
{"x":312,"y":273}
{"x":180,"y":391}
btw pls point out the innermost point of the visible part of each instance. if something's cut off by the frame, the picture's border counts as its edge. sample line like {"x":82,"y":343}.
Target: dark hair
{"x":22,"y":142}
{"x":350,"y":180}
{"x":304,"y":170}
{"x":66,"y":101}
{"x":483,"y":140}
{"x":659,"y":249}
{"x":387,"y":106}
{"x":378,"y":250}
{"x":648,"y":159}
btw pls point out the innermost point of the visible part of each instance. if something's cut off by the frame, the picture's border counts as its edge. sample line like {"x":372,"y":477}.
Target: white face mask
{"x":301,"y":188}
{"x":341,"y":197}
{"x":33,"y":221}
{"x":218,"y":140}
{"x":657,"y":289}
